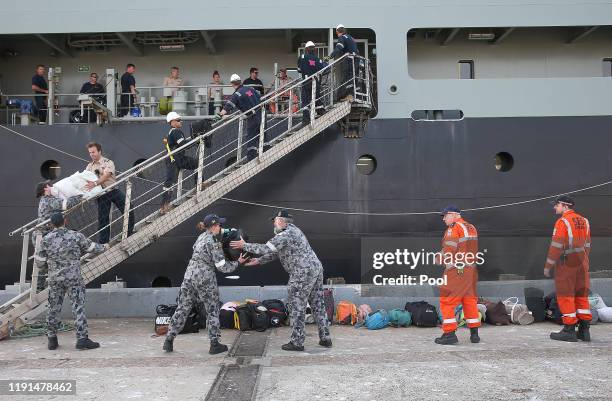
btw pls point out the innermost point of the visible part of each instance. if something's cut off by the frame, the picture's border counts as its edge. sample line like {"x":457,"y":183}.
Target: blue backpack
{"x":377,"y":320}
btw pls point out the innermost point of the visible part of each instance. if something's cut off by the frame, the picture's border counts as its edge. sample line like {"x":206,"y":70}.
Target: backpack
{"x":164,"y":315}
{"x":423,"y":314}
{"x":553,"y":312}
{"x":496,"y":314}
{"x":277,"y":312}
{"x":259,"y":316}
{"x":226,"y":315}
{"x":346,"y":313}
{"x":242,"y":318}
{"x":399,"y":318}
{"x":377,"y":320}
{"x":534,"y":299}
{"x":328,"y":298}
{"x":362,"y":312}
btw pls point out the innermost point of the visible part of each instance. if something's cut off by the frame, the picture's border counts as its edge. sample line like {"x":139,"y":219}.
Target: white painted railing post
{"x":290,"y":118}
{"x":313,"y":101}
{"x":240,"y":132}
{"x":127,"y":210}
{"x":24,"y":261}
{"x":262,"y":131}
{"x":200,"y":168}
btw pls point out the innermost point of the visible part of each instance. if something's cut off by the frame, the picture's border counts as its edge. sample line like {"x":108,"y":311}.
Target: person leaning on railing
{"x":105,"y":170}
{"x":94,"y":88}
{"x":174,"y":81}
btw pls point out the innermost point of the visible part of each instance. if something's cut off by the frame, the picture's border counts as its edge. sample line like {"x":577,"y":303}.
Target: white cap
{"x":309,"y":44}
{"x":235,"y":78}
{"x":173,"y":115}
{"x":339,"y":26}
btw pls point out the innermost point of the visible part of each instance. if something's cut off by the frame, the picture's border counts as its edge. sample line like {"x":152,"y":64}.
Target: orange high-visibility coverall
{"x":569,"y":252}
{"x":460,"y":241}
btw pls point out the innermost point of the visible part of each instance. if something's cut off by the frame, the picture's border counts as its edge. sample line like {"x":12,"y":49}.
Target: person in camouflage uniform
{"x":61,"y":249}
{"x":291,"y":247}
{"x":47,"y":205}
{"x":200,"y":284}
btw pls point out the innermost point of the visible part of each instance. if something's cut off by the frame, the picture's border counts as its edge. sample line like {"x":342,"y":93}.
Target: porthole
{"x":393,"y":89}
{"x":504,"y":162}
{"x":51,"y":170}
{"x":366,"y":164}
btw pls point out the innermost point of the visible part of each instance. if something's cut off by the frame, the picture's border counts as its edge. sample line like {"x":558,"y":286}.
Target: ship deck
{"x":511,"y":363}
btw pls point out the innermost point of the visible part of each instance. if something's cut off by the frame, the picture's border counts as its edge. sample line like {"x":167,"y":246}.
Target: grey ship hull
{"x":421,"y":166}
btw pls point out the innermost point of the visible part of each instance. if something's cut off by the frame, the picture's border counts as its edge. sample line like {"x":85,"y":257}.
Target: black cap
{"x":450,"y":209}
{"x":282,"y":213}
{"x":57,"y":219}
{"x":566,"y":200}
{"x":40,"y":188}
{"x":212,"y":219}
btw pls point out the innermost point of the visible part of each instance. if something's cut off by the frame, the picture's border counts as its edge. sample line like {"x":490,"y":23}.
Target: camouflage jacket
{"x":62,"y":250}
{"x":50,"y":204}
{"x":207,"y":256}
{"x":291,"y":247}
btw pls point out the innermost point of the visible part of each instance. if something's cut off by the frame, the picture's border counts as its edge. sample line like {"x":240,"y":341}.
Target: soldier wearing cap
{"x":200,"y":284}
{"x":305,"y":270}
{"x":62,"y":249}
{"x":48,"y":204}
{"x":568,"y":255}
{"x":244,"y":99}
{"x":458,"y":256}
{"x":308,"y":65}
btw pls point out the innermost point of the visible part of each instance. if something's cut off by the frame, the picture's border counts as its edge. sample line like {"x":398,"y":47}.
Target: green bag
{"x":400,"y":318}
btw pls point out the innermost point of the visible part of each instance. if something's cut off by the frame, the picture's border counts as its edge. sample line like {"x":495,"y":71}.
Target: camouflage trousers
{"x":195,"y":292}
{"x":304,"y":289}
{"x":76,"y":293}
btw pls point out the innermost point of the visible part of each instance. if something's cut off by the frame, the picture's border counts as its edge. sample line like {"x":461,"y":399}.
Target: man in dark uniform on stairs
{"x":308,"y":65}
{"x":244,"y":99}
{"x":346,"y":44}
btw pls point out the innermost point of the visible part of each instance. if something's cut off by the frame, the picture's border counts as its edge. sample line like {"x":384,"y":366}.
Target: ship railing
{"x":196,"y":104}
{"x":216,"y":150}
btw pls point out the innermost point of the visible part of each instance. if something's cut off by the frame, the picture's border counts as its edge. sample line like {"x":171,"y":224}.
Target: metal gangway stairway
{"x":344,"y":91}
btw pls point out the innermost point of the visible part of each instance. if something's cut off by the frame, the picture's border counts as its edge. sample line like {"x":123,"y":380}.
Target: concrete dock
{"x":511,"y":363}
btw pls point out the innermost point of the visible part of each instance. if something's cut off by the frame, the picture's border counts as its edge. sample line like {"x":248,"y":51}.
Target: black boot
{"x":52,"y":343}
{"x":447,"y":339}
{"x":86,"y":343}
{"x":567,"y":333}
{"x":325,"y":343}
{"x":216,"y":347}
{"x":168,"y":344}
{"x":474,"y":338}
{"x":583,"y":331}
{"x":292,"y":347}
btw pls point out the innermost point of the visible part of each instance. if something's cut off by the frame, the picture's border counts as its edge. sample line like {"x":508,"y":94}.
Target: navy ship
{"x":493,"y":106}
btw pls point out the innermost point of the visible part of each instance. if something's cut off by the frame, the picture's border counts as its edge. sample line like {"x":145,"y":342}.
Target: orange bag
{"x":346,"y":313}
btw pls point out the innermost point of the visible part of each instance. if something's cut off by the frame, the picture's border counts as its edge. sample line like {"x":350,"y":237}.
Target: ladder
{"x":143,"y":191}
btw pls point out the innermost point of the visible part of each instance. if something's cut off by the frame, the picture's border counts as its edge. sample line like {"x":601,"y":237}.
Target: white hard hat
{"x":309,"y":44}
{"x":340,"y":26}
{"x":235,"y":78}
{"x":173,"y":115}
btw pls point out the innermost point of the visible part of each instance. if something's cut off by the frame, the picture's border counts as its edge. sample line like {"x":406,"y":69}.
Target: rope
{"x":38,"y":329}
{"x":43,"y":144}
{"x":415,"y":213}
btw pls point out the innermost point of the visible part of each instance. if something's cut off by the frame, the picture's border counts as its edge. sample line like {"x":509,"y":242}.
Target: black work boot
{"x":567,"y":333}
{"x":216,"y":347}
{"x":292,"y":347}
{"x":326,"y":343}
{"x":447,"y":339}
{"x":583,"y":331}
{"x":86,"y":343}
{"x":52,"y":343}
{"x":474,"y":338}
{"x":168,"y":344}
